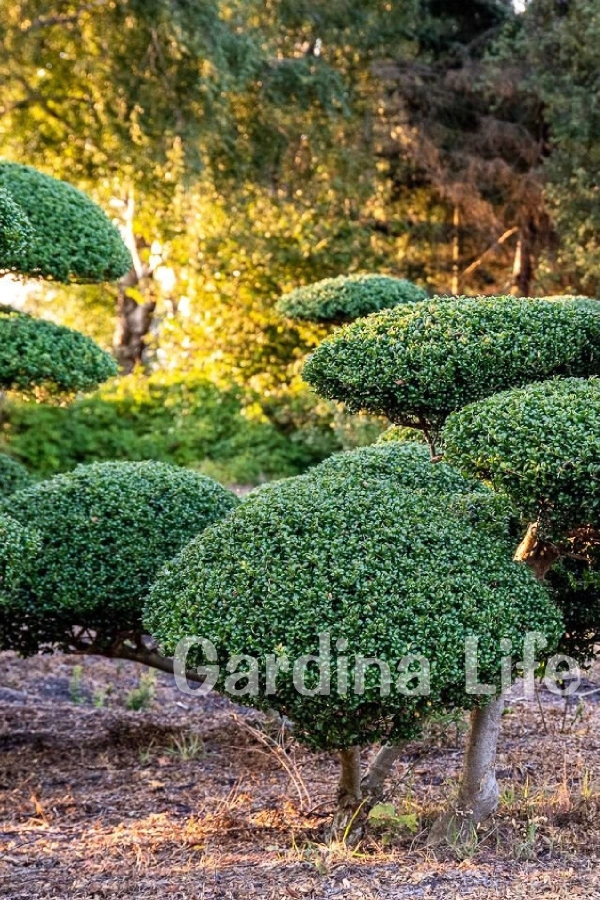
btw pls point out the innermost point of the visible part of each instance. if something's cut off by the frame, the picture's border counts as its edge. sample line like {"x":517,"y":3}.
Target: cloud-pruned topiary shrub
{"x":13,"y":476}
{"x":348,"y":297}
{"x":418,"y":364}
{"x":105,"y":530}
{"x":34,"y":352}
{"x":384,"y":571}
{"x":15,"y":228}
{"x":540,"y":445}
{"x":72,"y":239}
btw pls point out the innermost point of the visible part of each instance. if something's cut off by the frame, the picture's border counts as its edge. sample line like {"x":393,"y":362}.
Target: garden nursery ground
{"x":114,"y":785}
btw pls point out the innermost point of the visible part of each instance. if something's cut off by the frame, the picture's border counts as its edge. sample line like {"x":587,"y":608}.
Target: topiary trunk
{"x":373,"y":783}
{"x":478,"y":793}
{"x":349,"y":796}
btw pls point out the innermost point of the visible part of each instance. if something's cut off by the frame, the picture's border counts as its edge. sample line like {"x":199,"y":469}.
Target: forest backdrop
{"x":247,"y":147}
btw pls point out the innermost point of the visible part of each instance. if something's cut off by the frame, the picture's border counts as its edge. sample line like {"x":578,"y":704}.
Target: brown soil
{"x":195,"y":799}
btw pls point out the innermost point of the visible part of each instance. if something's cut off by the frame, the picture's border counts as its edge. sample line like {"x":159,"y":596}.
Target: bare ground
{"x":196,"y":800}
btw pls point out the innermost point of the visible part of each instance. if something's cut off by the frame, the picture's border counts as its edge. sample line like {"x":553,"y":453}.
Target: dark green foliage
{"x":348,"y":297}
{"x":540,"y":445}
{"x":105,"y":530}
{"x":186,"y":423}
{"x":418,"y":364}
{"x":576,"y":587}
{"x":13,"y":476}
{"x":18,"y":548}
{"x":15,"y":230}
{"x":72,"y":239}
{"x":34,"y":352}
{"x":389,"y":571}
{"x":408,"y":464}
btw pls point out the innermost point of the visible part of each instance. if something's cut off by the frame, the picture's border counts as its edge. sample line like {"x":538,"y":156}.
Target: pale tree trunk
{"x":134,"y":319}
{"x":349,"y":795}
{"x":522,"y":273}
{"x":478,"y":793}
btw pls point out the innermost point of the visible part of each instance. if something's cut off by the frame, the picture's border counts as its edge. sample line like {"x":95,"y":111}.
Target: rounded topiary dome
{"x":15,"y":229}
{"x":383,"y":571}
{"x":35,"y":352}
{"x":13,"y":476}
{"x":72,"y":239}
{"x":418,"y":364}
{"x":408,"y":465}
{"x":540,"y":445}
{"x":105,"y":530}
{"x":348,"y":297}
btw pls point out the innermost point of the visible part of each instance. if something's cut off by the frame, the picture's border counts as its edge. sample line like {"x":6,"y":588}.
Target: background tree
{"x":553,"y":49}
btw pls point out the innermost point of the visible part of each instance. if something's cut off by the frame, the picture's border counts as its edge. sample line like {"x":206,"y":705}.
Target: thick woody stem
{"x":349,"y":796}
{"x":539,"y":555}
{"x":478,"y":793}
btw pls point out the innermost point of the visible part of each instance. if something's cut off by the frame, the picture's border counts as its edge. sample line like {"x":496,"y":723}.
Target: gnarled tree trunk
{"x":539,"y":555}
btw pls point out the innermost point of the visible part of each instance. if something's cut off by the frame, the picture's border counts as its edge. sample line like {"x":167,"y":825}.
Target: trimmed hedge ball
{"x":418,"y":364}
{"x":383,"y":571}
{"x":34,"y":352}
{"x":72,"y":239}
{"x":540,"y":445}
{"x":15,"y":228}
{"x":13,"y":476}
{"x":348,"y":297}
{"x":105,"y":530}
